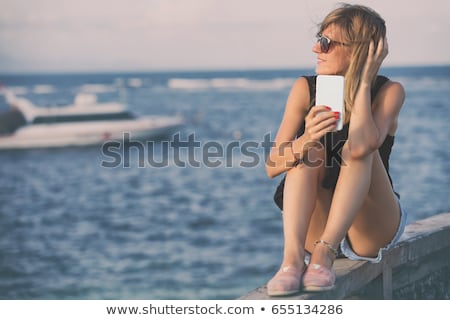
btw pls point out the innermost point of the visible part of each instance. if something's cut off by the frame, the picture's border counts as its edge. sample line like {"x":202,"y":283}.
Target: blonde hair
{"x":359,"y":25}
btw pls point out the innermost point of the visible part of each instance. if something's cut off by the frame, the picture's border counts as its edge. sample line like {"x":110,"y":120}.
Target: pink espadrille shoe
{"x":318,"y":277}
{"x":285,"y":282}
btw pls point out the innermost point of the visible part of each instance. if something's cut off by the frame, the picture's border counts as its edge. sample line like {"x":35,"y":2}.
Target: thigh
{"x":376,"y":223}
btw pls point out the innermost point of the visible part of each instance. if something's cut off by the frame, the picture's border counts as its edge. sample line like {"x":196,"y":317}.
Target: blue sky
{"x":146,"y":35}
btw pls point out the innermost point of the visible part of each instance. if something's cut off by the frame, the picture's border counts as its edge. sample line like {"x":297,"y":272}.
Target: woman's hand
{"x":319,"y":121}
{"x":374,"y":60}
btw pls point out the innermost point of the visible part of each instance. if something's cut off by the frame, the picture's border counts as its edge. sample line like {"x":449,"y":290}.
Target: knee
{"x":351,"y":154}
{"x":313,"y":164}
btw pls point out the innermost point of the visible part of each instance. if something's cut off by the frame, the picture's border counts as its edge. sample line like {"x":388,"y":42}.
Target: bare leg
{"x":305,"y":208}
{"x":363,"y":205}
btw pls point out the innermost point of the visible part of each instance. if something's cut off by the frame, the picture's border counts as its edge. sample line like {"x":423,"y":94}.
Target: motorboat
{"x":85,"y":122}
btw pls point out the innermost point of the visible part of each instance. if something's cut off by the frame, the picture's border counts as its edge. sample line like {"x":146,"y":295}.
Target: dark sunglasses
{"x":325,"y":43}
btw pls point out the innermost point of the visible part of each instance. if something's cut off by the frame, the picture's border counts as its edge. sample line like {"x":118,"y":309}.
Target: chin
{"x":322,"y":70}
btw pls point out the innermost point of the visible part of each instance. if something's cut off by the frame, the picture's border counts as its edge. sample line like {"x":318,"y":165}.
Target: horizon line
{"x":198,"y":70}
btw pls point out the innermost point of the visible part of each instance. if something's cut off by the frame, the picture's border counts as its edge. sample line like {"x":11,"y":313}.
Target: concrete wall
{"x":418,"y":267}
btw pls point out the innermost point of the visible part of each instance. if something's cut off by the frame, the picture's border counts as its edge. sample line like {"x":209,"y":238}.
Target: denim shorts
{"x":349,"y":253}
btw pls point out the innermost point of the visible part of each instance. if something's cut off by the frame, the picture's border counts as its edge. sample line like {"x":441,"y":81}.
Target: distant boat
{"x":86,"y":122}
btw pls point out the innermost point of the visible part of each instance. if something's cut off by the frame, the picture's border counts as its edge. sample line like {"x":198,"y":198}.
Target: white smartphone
{"x":330,"y":92}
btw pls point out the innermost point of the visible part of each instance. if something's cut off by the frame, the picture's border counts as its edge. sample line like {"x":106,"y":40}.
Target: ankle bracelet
{"x":328,"y":245}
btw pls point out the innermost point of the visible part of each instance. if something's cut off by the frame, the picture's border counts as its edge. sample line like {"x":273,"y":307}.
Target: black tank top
{"x":334,"y":141}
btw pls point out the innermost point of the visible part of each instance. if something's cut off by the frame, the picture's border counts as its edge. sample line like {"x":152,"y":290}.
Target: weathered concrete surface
{"x":418,"y":267}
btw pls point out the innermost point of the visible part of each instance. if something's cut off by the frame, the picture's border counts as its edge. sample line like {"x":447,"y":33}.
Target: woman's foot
{"x":319,"y":275}
{"x":285,"y":282}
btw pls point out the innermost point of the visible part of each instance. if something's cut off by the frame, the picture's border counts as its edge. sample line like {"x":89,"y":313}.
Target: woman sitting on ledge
{"x":337,"y":192}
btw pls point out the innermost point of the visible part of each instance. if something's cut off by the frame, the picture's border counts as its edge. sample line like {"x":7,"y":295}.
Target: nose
{"x":316,"y":47}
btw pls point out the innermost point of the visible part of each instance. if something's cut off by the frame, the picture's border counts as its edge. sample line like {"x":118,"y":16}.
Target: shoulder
{"x":301,"y":92}
{"x":386,"y":85}
{"x":305,"y":85}
{"x":302,"y":83}
{"x":394,"y":89}
{"x":391,"y":95}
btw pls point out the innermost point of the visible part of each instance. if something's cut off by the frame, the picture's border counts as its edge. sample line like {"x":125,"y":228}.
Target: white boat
{"x":86,"y":122}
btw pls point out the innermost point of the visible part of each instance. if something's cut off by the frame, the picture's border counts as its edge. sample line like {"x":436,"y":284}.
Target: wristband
{"x":297,"y":160}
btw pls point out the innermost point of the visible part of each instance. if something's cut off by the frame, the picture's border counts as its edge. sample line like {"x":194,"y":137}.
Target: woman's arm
{"x":286,"y":150}
{"x":281,"y":154}
{"x":369,"y":123}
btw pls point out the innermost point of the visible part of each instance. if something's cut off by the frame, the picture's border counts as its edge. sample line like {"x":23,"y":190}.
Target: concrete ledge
{"x":418,"y":267}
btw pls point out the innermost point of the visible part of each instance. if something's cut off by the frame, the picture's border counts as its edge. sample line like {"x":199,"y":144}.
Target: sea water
{"x":201,"y":226}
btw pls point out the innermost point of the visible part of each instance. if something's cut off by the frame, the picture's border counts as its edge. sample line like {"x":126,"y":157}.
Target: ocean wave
{"x":43,"y":89}
{"x":231,"y":84}
{"x":97,"y":88}
{"x":17,"y":90}
{"x":424,"y":83}
{"x":135,"y":82}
